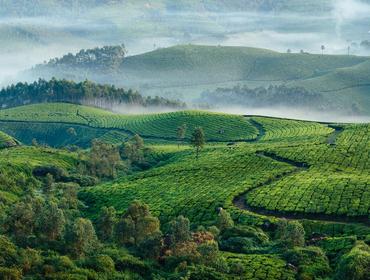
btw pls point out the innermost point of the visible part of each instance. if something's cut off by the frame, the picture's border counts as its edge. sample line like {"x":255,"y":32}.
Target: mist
{"x":30,"y":40}
{"x":295,"y":113}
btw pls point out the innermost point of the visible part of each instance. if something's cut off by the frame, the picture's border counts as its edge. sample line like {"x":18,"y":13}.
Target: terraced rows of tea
{"x":217,"y":127}
{"x":187,"y":186}
{"x":284,"y":129}
{"x":6,"y":140}
{"x":337,"y":182}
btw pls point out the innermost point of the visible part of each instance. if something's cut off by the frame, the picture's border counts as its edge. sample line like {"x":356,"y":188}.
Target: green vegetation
{"x":182,"y":206}
{"x":217,"y":127}
{"x":6,"y":141}
{"x":319,"y":82}
{"x":103,"y":96}
{"x":60,"y":135}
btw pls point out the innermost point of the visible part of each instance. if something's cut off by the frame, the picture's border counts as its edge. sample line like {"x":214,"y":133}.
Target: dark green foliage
{"x":356,"y":264}
{"x":136,"y":225}
{"x":290,"y":233}
{"x":81,"y":237}
{"x":104,"y":96}
{"x":106,"y":222}
{"x":103,"y":159}
{"x":310,"y":261}
{"x":180,"y":230}
{"x":51,"y":222}
{"x":198,"y":140}
{"x":224,"y":220}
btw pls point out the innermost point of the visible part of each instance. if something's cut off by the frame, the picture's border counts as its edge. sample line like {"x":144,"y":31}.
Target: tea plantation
{"x":257,"y":169}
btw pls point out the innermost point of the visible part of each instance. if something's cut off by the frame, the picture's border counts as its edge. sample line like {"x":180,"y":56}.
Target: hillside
{"x":208,"y":64}
{"x":218,"y":127}
{"x":7,"y":141}
{"x":207,"y":68}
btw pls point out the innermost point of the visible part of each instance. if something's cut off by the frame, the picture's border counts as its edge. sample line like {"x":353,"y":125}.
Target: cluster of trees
{"x":86,"y":92}
{"x":261,"y":97}
{"x":105,"y":160}
{"x":106,"y":59}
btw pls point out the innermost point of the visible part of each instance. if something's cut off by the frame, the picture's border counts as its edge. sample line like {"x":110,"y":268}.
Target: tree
{"x":180,"y":230}
{"x":49,"y":181}
{"x":21,"y":221}
{"x":51,"y":222}
{"x":106,"y":223}
{"x":136,"y":224}
{"x":290,"y":233}
{"x":355,"y":265}
{"x":181,"y":132}
{"x":198,"y":140}
{"x":133,"y":150}
{"x":103,"y":159}
{"x":224,"y":220}
{"x":138,"y":142}
{"x":82,"y":237}
{"x":322,"y":49}
{"x":289,"y":51}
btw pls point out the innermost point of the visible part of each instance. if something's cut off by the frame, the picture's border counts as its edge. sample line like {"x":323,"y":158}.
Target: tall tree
{"x":51,"y":222}
{"x":181,"y":132}
{"x":198,"y":140}
{"x":82,"y":237}
{"x":224,"y":220}
{"x":137,"y":224}
{"x":106,"y":223}
{"x":180,"y":230}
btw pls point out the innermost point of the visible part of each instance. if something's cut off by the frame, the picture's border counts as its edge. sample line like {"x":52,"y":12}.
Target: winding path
{"x":241,"y":203}
{"x":240,"y":200}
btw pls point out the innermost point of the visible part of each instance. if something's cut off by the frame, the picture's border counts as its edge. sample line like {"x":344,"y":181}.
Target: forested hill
{"x":86,"y":92}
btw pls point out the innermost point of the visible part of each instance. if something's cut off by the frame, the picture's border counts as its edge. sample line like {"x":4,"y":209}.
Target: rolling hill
{"x":186,"y":71}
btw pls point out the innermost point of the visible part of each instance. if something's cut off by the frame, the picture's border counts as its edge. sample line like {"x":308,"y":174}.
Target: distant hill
{"x":189,"y":64}
{"x":89,"y":93}
{"x":339,"y":79}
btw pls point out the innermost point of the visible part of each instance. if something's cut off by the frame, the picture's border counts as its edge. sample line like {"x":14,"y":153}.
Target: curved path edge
{"x":240,"y":200}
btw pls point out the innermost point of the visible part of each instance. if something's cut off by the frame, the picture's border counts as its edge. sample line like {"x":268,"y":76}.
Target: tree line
{"x":86,"y":92}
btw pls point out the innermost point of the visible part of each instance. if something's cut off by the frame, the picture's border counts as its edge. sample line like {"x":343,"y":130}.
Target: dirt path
{"x":241,"y":203}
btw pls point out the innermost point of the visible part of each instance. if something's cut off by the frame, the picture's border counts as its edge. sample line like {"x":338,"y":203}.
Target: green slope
{"x":7,"y":141}
{"x":217,"y":127}
{"x":208,"y":64}
{"x":344,"y":83}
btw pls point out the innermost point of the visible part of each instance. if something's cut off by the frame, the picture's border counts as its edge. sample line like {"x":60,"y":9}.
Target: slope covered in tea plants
{"x":7,"y":141}
{"x":336,"y":182}
{"x":218,"y":127}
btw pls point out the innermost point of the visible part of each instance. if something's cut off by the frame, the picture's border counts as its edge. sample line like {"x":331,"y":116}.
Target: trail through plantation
{"x":240,"y":201}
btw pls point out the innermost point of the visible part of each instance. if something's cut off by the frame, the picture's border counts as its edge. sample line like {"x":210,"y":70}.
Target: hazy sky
{"x":27,"y":41}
